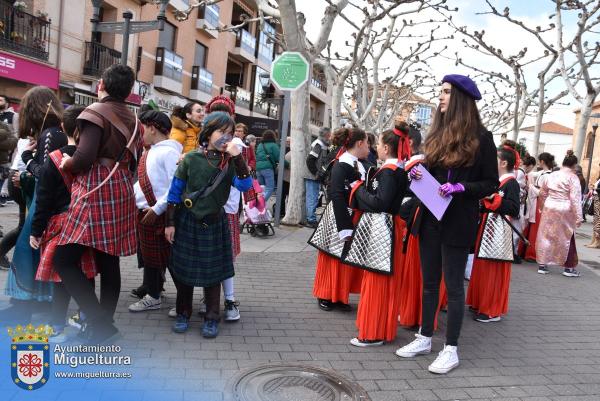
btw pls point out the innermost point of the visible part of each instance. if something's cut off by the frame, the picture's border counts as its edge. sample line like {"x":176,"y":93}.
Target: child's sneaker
{"x":172,"y":312}
{"x":210,"y":328}
{"x":446,"y":361}
{"x":543,"y":270}
{"x":483,"y":318}
{"x":366,"y":343}
{"x":232,"y":313}
{"x":144,"y":304}
{"x":570,"y":272}
{"x":181,"y":324}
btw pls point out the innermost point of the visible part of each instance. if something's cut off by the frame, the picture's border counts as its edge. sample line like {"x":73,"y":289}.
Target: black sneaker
{"x":517,"y":260}
{"x":543,"y":270}
{"x":139,"y":292}
{"x":325,"y":304}
{"x":343,"y":307}
{"x":487,"y":319}
{"x":570,"y":272}
{"x":4,"y":263}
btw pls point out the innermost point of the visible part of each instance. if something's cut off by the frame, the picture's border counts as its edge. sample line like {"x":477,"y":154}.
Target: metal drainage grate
{"x":294,"y":383}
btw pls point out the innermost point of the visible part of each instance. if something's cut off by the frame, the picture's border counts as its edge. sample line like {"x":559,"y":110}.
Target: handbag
{"x":372,"y":245}
{"x":496,"y":241}
{"x":325,"y":237}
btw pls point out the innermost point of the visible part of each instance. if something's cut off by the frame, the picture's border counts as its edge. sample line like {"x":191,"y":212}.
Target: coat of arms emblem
{"x":30,"y":356}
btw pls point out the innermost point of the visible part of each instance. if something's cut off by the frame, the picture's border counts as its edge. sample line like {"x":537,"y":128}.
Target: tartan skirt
{"x":234,"y":229}
{"x":105,"y":220}
{"x":201,"y":255}
{"x":45,"y":270}
{"x":154,"y":247}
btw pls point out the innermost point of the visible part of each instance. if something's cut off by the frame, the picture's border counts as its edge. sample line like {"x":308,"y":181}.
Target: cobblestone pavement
{"x":546,"y":348}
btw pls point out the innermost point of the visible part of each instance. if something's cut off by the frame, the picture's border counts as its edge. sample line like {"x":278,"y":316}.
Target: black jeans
{"x":435,"y":258}
{"x":66,"y":261}
{"x":10,"y":238}
{"x":185,"y":295}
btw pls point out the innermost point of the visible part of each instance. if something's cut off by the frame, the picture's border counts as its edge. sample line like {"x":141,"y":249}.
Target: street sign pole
{"x":282,"y":147}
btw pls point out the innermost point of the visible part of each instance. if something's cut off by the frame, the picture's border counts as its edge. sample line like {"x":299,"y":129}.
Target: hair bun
{"x":570,"y":152}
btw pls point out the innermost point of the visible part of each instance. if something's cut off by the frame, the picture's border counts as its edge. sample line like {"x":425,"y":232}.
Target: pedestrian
{"x":595,"y":191}
{"x":319,"y":149}
{"x":267,"y":159}
{"x":460,"y":153}
{"x":198,"y":230}
{"x":371,"y":160}
{"x":155,"y":172}
{"x":251,"y":140}
{"x":41,"y":115}
{"x":489,"y":284}
{"x":377,"y":316}
{"x":519,"y":222}
{"x":10,"y":119}
{"x":102,"y":213}
{"x":536,"y":181}
{"x":529,"y":164}
{"x":241,"y":131}
{"x":560,"y":202}
{"x":334,"y":280}
{"x":53,"y":196}
{"x":186,"y":123}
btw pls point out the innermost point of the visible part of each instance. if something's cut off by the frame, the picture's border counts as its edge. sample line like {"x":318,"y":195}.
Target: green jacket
{"x":262,"y":150}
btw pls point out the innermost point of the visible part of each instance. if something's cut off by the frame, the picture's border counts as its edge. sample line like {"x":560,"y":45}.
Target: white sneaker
{"x":173,"y":312}
{"x":144,"y":304}
{"x":446,"y":361}
{"x":365,"y":343}
{"x":420,"y":346}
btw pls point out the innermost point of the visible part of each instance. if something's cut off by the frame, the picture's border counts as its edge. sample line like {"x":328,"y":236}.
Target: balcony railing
{"x":98,"y":58}
{"x":316,"y":122}
{"x":245,"y":41}
{"x":23,"y":33}
{"x":210,"y":14}
{"x":202,"y":79}
{"x":319,"y":85}
{"x":240,"y":96}
{"x":168,"y":64}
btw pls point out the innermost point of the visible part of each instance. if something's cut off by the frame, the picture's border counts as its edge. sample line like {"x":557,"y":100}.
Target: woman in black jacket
{"x":460,"y":154}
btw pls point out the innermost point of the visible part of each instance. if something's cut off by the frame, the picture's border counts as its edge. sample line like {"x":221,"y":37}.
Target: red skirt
{"x":106,"y":220}
{"x":377,"y":316}
{"x":154,"y":247}
{"x":489,"y":287}
{"x":334,"y":280}
{"x":532,"y":237}
{"x":234,"y":230}
{"x":49,"y":242}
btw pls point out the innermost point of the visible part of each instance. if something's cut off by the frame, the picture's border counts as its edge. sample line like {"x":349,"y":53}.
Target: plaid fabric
{"x":45,"y":270}
{"x":105,"y":220}
{"x":201,"y":255}
{"x":154,"y":247}
{"x":144,"y":180}
{"x":234,"y":230}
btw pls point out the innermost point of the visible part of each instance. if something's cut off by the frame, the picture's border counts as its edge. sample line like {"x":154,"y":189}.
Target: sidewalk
{"x":547,"y":347}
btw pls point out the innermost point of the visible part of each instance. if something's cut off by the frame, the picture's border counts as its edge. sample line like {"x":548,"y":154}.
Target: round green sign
{"x":289,"y":71}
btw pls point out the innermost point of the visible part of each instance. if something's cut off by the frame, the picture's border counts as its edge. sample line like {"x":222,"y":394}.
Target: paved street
{"x":547,"y":348}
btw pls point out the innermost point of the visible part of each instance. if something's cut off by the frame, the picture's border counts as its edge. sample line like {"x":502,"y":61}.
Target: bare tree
{"x":586,"y":56}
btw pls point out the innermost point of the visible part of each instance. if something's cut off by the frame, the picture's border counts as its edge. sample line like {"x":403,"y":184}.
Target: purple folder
{"x":426,"y":190}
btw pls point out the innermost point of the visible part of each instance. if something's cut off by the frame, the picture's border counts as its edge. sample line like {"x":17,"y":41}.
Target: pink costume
{"x":560,"y":200}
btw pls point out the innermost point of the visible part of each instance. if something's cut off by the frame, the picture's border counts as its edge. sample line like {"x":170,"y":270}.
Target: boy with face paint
{"x":197,"y":226}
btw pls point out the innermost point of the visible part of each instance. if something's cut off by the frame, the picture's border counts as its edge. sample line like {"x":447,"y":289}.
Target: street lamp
{"x":127,"y":27}
{"x":591,"y":145}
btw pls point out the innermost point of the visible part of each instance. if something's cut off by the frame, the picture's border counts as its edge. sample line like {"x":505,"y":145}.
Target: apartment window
{"x":200,"y":56}
{"x":166,"y":37}
{"x":265,"y":45}
{"x":210,"y":13}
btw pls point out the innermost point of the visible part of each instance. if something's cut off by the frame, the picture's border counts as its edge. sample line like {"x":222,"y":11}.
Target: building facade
{"x":555,"y":139}
{"x":188,"y":60}
{"x":591,"y":147}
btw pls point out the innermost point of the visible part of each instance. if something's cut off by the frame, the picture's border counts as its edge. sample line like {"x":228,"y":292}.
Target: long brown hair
{"x":454,"y":136}
{"x":347,"y":137}
{"x":35,"y":115}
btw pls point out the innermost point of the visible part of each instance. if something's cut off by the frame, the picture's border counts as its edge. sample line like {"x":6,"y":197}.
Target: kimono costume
{"x":334,"y":280}
{"x":560,"y":201}
{"x":533,"y":212}
{"x":201,"y":254}
{"x":377,"y":317}
{"x":490,"y":279}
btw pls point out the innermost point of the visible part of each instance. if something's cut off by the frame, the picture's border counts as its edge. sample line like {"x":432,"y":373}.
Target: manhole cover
{"x":294,"y":383}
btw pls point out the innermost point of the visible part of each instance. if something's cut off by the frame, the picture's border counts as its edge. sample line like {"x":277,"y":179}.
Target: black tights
{"x":435,"y":258}
{"x":185,"y":294}
{"x":10,"y":238}
{"x":66,"y":262}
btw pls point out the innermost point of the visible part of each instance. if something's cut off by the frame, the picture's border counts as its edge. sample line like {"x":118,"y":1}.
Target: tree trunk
{"x":586,"y":111}
{"x":337,"y":93}
{"x":539,"y":118}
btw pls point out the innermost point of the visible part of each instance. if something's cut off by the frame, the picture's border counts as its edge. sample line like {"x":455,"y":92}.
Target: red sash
{"x":144,"y":180}
{"x":56,"y":157}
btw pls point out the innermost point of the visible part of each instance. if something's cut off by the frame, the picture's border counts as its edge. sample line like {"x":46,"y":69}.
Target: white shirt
{"x":161,"y":164}
{"x":350,"y":159}
{"x":17,"y":161}
{"x":233,"y":202}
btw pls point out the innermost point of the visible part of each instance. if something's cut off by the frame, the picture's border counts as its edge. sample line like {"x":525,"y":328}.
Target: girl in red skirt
{"x":334,"y":280}
{"x":377,"y":317}
{"x":490,"y":279}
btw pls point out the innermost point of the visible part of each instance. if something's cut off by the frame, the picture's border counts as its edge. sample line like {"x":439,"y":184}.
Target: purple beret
{"x":463,"y":83}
